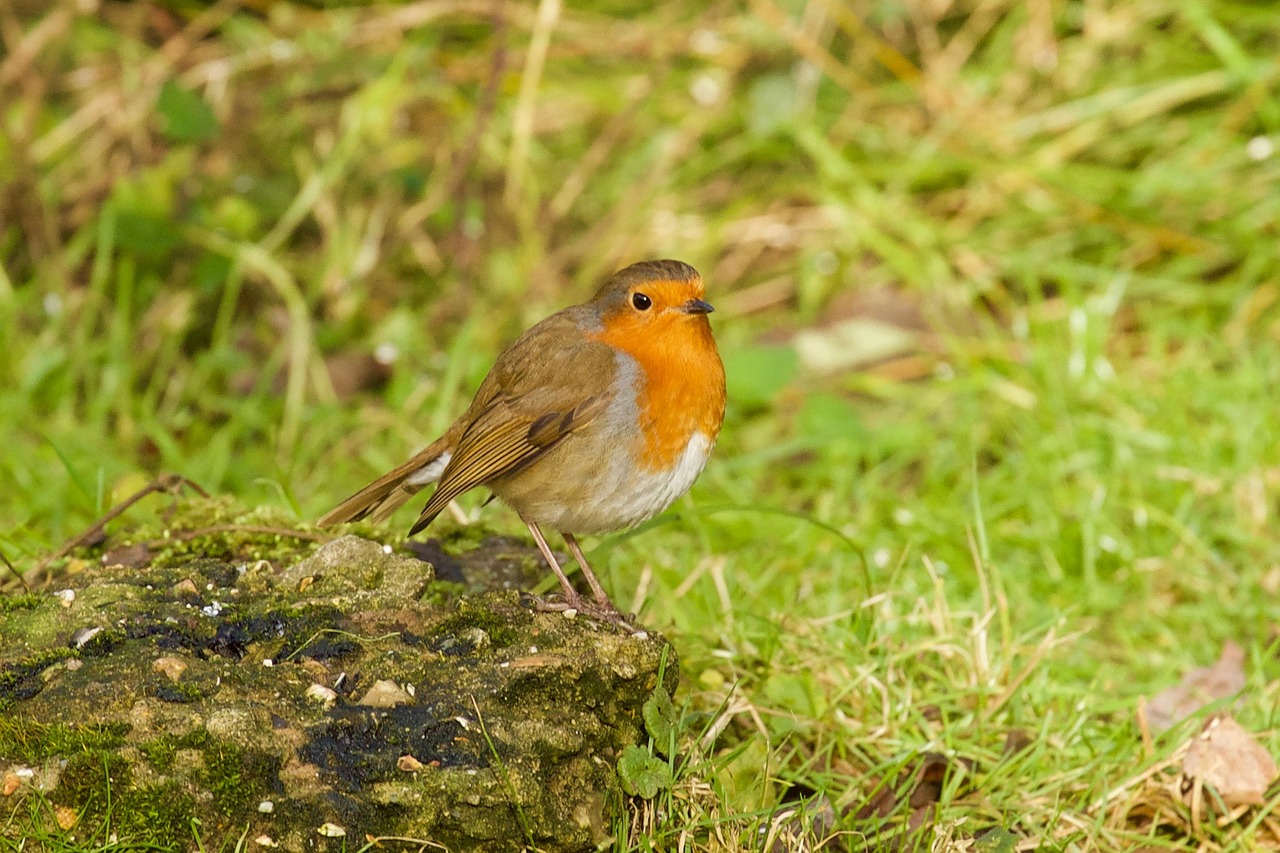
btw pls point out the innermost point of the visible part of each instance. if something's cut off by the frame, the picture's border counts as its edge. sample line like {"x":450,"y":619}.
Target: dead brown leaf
{"x":914,"y":795}
{"x":1198,"y":688}
{"x":1227,"y":757}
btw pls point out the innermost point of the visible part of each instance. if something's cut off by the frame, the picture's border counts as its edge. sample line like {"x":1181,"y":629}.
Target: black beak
{"x":696,"y":306}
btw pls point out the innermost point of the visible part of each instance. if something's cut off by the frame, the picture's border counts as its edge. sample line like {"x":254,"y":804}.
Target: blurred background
{"x":996,"y":280}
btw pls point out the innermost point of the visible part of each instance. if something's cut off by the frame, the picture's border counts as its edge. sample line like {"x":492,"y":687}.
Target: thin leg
{"x":596,"y":589}
{"x":571,"y":596}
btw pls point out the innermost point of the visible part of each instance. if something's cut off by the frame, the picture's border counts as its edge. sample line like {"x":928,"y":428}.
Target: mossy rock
{"x":344,"y":693}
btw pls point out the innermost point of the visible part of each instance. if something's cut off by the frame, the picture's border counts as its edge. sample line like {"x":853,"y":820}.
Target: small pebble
{"x":408,"y":764}
{"x":385,"y":694}
{"x":11,"y":783}
{"x":331,"y":830}
{"x":184,"y":587}
{"x":324,"y":695}
{"x":266,"y":807}
{"x":84,"y":635}
{"x":265,"y":841}
{"x":66,"y":597}
{"x":172,"y":667}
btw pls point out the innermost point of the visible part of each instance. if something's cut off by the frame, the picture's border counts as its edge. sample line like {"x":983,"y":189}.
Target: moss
{"x":21,"y":679}
{"x":102,"y":643}
{"x":28,"y":741}
{"x":491,"y":718}
{"x":472,"y":614}
{"x":26,"y":601}
{"x":315,"y":631}
{"x":160,"y":814}
{"x":160,"y":753}
{"x":91,"y":780}
{"x":183,"y":693}
{"x":223,"y":545}
{"x":236,"y":778}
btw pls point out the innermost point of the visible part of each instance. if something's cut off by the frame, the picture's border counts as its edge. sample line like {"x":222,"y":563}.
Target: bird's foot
{"x":599,"y":611}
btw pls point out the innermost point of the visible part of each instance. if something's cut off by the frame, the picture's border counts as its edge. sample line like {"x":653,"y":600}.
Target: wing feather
{"x":500,"y":442}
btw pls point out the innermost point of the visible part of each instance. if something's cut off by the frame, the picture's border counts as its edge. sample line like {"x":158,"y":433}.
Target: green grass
{"x":1052,"y":502}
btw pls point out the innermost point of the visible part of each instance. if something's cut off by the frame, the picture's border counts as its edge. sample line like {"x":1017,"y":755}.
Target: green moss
{"x":26,"y":601}
{"x":18,"y":678}
{"x":443,"y":593}
{"x":29,"y":741}
{"x":236,"y":778}
{"x":102,"y":643}
{"x":470,"y":614}
{"x":160,"y":814}
{"x":91,"y":780}
{"x":224,"y":545}
{"x":183,"y":693}
{"x":160,"y":753}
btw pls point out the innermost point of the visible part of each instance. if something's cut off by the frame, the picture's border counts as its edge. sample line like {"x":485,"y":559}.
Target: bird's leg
{"x":571,"y":596}
{"x":596,"y":589}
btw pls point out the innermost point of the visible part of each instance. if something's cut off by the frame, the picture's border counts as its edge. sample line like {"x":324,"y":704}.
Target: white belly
{"x":623,"y":497}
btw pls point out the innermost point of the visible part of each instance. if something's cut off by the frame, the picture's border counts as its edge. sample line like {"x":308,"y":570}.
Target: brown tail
{"x":385,"y":495}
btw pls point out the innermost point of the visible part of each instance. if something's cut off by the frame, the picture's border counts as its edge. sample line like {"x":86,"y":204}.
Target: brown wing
{"x":501,"y":441}
{"x":521,"y":410}
{"x":387,"y":493}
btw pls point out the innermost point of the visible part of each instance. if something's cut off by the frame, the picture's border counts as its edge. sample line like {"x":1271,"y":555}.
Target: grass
{"x":1036,"y":482}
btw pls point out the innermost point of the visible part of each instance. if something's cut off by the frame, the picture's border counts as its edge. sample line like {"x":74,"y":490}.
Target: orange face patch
{"x":682,"y":378}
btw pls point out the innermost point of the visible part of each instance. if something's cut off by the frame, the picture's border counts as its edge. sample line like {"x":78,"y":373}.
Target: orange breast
{"x":681,"y":390}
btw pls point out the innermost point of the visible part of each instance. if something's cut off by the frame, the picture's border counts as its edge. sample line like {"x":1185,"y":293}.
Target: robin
{"x":595,"y":419}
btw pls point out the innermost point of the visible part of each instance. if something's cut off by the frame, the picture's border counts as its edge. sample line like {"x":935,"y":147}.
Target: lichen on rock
{"x":340,"y":697}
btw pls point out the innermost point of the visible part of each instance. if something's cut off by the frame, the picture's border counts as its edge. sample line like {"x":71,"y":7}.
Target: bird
{"x":594,"y":420}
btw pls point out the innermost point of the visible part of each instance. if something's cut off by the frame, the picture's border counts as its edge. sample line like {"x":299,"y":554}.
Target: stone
{"x":499,"y":726}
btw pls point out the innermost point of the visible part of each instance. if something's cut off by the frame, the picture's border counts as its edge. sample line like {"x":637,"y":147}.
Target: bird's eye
{"x":641,"y":301}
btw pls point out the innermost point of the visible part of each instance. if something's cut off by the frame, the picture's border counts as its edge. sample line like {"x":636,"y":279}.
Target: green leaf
{"x":661,"y":720}
{"x":756,"y":374}
{"x":184,"y":115}
{"x":998,"y":840}
{"x":641,"y":774}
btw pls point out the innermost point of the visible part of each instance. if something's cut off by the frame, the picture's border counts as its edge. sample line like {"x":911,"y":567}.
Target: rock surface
{"x":346,"y":697}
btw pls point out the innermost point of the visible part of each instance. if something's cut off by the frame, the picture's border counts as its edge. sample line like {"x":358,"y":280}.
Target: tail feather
{"x":385,"y":495}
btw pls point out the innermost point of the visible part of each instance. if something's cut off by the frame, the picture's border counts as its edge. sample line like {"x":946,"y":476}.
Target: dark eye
{"x":641,"y":301}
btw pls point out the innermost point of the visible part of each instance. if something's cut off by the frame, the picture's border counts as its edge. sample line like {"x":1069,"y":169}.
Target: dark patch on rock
{"x":362,"y":745}
{"x":200,"y":689}
{"x":495,"y":562}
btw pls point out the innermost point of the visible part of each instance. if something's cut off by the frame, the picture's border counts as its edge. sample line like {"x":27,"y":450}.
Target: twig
{"x":15,"y":572}
{"x":168,"y":483}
